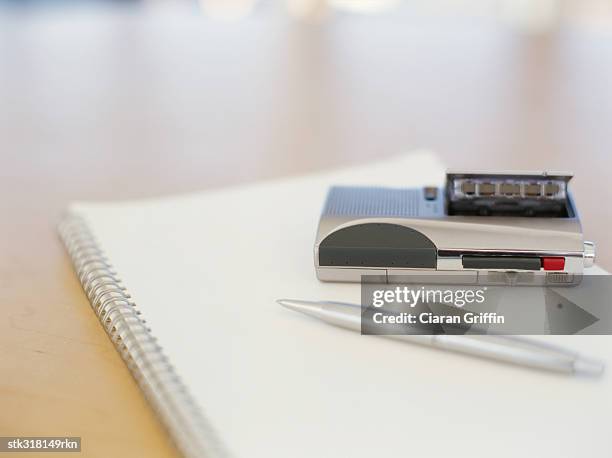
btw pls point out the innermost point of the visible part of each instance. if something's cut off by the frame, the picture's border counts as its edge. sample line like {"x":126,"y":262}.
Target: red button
{"x":553,"y":263}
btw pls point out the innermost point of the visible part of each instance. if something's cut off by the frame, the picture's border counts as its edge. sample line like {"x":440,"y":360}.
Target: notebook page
{"x":206,"y":269}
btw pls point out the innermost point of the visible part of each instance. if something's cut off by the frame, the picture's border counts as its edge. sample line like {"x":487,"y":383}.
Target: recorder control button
{"x":501,"y":262}
{"x":553,"y":263}
{"x":431,"y":193}
{"x":589,"y":254}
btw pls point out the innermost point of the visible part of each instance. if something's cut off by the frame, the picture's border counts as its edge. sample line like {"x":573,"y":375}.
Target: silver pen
{"x":509,"y":349}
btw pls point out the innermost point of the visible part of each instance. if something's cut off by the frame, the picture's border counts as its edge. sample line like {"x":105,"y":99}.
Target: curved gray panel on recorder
{"x":378,"y":245}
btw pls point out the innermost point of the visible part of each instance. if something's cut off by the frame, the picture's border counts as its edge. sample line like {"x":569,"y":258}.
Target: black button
{"x":431,"y":193}
{"x":501,"y":262}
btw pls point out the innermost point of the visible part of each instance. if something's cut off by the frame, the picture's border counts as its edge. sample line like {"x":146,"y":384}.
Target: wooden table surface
{"x":114,"y":106}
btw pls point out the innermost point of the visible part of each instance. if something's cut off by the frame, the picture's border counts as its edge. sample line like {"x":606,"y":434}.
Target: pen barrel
{"x":342,"y":315}
{"x":509,"y":349}
{"x":514,"y":351}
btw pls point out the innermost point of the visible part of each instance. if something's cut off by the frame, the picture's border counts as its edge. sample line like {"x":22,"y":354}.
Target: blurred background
{"x":126,"y":99}
{"x":134,"y":99}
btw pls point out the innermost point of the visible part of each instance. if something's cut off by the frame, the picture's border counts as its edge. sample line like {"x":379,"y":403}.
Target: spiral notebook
{"x":185,"y":286}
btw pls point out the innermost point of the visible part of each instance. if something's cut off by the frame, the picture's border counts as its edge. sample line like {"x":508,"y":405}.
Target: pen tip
{"x":288,"y":303}
{"x":588,"y":367}
{"x":307,"y":307}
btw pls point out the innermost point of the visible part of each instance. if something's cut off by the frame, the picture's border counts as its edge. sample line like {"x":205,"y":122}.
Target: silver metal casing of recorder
{"x":491,"y":228}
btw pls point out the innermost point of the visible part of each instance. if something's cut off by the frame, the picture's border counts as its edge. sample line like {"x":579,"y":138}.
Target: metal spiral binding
{"x":133,"y":339}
